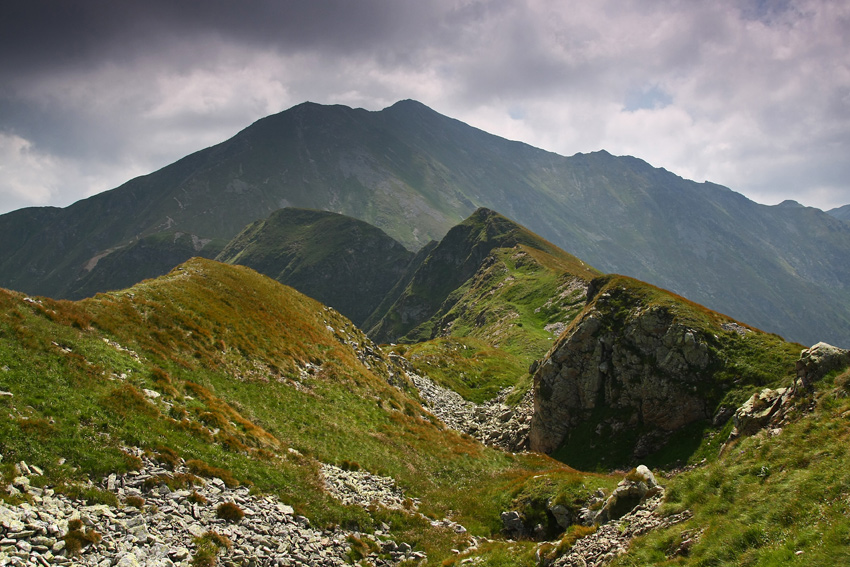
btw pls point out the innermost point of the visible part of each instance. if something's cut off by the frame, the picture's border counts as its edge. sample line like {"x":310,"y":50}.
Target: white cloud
{"x":27,"y":178}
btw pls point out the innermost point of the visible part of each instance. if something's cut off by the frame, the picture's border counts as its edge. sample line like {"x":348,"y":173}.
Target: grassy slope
{"x":226,"y":348}
{"x":767,"y":497}
{"x":470,"y":367}
{"x":451,"y":264}
{"x":479,"y":304}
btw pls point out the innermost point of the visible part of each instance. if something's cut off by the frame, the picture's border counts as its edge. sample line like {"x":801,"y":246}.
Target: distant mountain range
{"x":415,"y":174}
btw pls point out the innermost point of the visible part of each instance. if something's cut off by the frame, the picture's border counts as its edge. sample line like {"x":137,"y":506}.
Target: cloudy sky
{"x":752,"y":94}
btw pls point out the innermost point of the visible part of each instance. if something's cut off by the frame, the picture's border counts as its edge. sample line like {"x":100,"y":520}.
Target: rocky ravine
{"x":156,"y":526}
{"x":494,"y":423}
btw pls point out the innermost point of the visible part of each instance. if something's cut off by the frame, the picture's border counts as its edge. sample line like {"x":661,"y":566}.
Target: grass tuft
{"x":230,"y":512}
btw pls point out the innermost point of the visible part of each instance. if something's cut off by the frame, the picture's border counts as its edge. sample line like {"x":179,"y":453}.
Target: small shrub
{"x":230,"y":512}
{"x":76,"y":539}
{"x":167,"y":456}
{"x":133,"y":462}
{"x":634,"y":476}
{"x":217,"y":539}
{"x":127,"y":400}
{"x":89,"y":494}
{"x":135,"y":501}
{"x":205,"y":557}
{"x":174,"y":482}
{"x":196,"y":498}
{"x":201,"y":468}
{"x":572,"y":535}
{"x":37,"y":426}
{"x":349,"y":466}
{"x":361,"y":548}
{"x":208,"y":546}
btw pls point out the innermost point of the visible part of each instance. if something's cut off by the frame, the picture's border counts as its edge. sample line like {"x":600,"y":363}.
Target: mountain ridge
{"x":415,"y":173}
{"x":339,"y":261}
{"x":841,"y":213}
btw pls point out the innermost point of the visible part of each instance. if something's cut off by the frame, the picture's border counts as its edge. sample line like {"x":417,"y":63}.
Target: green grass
{"x":458,"y":287}
{"x":228,"y":352}
{"x":766,"y":498}
{"x":466,"y":365}
{"x":511,"y":299}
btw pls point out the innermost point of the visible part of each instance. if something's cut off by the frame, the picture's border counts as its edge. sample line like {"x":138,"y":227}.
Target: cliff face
{"x":638,"y":364}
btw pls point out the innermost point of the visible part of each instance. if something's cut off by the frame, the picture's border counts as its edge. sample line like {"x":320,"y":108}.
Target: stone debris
{"x":613,"y":538}
{"x":735,"y":328}
{"x":361,"y":488}
{"x":162,"y":526}
{"x":494,"y":423}
{"x":120,"y":348}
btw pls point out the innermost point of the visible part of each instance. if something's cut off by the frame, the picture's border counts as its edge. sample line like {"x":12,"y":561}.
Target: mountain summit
{"x":414,"y":174}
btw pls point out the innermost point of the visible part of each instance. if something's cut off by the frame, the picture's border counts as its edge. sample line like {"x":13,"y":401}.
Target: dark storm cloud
{"x":38,"y":36}
{"x":41,"y":39}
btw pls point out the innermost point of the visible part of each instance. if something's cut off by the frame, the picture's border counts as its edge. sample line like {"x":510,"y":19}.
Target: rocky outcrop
{"x":158,"y":526}
{"x":627,"y":355}
{"x":613,"y":538}
{"x":771,"y":409}
{"x":636,"y":487}
{"x":611,"y":523}
{"x":766,"y":408}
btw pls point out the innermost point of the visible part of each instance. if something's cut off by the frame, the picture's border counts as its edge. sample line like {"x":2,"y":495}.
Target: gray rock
{"x":636,"y":487}
{"x":513,"y":523}
{"x":562,"y":515}
{"x":642,"y":363}
{"x":817,"y":362}
{"x":271,"y":536}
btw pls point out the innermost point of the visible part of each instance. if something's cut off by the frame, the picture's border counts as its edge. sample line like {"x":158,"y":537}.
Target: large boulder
{"x":638,"y":485}
{"x":817,"y":362}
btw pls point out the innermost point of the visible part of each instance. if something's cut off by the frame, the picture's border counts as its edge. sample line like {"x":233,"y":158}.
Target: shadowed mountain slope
{"x":415,"y":173}
{"x":469,"y":273}
{"x":342,"y":262}
{"x":841,"y":213}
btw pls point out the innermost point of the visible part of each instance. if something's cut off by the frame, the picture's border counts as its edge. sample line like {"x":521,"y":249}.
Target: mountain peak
{"x":409,"y":103}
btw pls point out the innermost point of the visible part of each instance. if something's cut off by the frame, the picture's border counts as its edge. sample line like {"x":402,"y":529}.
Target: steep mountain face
{"x":342,"y":262}
{"x":480,"y":280}
{"x":414,"y":174}
{"x":841,"y":213}
{"x":640,"y":365}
